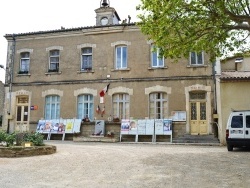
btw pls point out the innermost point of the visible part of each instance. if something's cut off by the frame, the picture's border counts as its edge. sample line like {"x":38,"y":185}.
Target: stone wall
{"x":1,"y":101}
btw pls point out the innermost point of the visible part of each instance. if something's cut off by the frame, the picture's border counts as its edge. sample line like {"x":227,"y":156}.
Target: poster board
{"x":133,"y":127}
{"x":158,"y":126}
{"x":58,"y":126}
{"x":125,"y":126}
{"x":150,"y":127}
{"x":99,"y":128}
{"x":141,"y":124}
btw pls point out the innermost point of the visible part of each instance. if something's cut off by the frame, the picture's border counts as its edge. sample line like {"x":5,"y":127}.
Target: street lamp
{"x":8,"y":125}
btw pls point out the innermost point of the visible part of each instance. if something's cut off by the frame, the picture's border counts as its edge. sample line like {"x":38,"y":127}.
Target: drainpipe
{"x":10,"y":73}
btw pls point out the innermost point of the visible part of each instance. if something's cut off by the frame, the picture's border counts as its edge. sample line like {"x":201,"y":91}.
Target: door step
{"x":196,"y":139}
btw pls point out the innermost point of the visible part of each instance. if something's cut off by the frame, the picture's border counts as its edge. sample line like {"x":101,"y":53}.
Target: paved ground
{"x":122,"y":165}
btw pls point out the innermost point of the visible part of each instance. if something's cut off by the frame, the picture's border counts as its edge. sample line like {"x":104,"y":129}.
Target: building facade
{"x":61,"y":73}
{"x":233,"y":87}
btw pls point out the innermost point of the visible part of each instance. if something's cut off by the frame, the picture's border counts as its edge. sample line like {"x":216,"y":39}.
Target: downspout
{"x":10,"y":72}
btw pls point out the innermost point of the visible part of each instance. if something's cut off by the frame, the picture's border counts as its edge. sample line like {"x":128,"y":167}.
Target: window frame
{"x":124,"y":59}
{"x":196,"y":63}
{"x":49,"y":112}
{"x":87,"y":99}
{"x":121,"y":105}
{"x":158,"y":103}
{"x":56,"y":63}
{"x":155,"y":51}
{"x":23,"y":61}
{"x":89,"y":63}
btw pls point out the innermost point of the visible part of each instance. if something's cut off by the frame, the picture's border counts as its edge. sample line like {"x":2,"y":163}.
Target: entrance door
{"x":198,"y":118}
{"x":22,"y":112}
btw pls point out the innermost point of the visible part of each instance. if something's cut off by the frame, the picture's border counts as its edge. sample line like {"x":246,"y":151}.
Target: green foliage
{"x":218,"y":27}
{"x":10,"y":139}
{"x":2,"y":136}
{"x":36,"y":138}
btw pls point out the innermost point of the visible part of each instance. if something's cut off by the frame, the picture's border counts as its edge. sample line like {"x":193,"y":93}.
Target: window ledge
{"x":153,"y":68}
{"x":53,"y":73}
{"x":196,"y":66}
{"x":85,"y":71}
{"x":26,"y":74}
{"x":126,"y":69}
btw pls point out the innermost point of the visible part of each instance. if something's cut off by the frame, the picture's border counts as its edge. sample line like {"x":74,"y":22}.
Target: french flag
{"x":104,"y":90}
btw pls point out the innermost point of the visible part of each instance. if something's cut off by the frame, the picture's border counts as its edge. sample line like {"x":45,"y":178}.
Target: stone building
{"x":1,"y":102}
{"x":61,"y":73}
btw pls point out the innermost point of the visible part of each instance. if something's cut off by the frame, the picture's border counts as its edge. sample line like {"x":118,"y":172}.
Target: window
{"x":158,"y":105}
{"x":86,"y":59}
{"x":24,"y":63}
{"x":121,"y":106}
{"x":156,"y":60}
{"x":247,"y":121}
{"x":196,"y":58}
{"x":85,"y":107}
{"x":121,"y":57}
{"x":52,"y":107}
{"x":54,"y":61}
{"x":237,"y":122}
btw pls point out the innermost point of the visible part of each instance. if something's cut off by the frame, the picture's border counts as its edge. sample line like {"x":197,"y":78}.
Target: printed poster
{"x":167,"y":126}
{"x":77,"y":125}
{"x":150,"y":127}
{"x":125,"y":126}
{"x":158,"y":126}
{"x":69,"y":125}
{"x":141,"y":124}
{"x":133,"y":127}
{"x":99,"y":128}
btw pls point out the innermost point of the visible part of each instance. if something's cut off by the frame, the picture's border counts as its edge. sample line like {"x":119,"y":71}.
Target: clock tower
{"x":106,"y":15}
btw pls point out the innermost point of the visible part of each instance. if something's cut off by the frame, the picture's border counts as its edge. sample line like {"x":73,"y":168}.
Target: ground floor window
{"x":52,"y":107}
{"x":121,"y":106}
{"x":85,"y":107}
{"x":158,"y":108}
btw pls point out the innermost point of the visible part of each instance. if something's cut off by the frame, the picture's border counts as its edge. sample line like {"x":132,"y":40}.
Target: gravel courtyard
{"x":115,"y":165}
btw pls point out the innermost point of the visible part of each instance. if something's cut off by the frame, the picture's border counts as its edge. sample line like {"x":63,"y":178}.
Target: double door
{"x":198,"y":118}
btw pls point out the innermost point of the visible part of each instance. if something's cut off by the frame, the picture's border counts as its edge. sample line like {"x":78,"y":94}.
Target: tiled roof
{"x":66,"y":30}
{"x":235,"y":75}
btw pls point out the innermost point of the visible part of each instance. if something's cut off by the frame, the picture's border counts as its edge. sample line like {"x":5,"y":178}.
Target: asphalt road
{"x":123,"y":165}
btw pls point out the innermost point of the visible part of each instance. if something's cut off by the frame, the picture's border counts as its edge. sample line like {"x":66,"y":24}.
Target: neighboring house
{"x":233,"y":88}
{"x":60,"y":73}
{"x":1,"y":102}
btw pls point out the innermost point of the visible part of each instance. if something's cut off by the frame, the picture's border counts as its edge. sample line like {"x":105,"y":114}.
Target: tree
{"x":218,"y":27}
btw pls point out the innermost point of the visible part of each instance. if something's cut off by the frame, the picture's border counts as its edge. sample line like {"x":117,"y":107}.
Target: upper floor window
{"x":196,"y":58}
{"x":158,"y":105}
{"x":24,"y":63}
{"x":54,"y":60}
{"x":121,"y":106}
{"x":156,"y":60}
{"x":52,"y":107}
{"x":121,"y":57}
{"x":86,"y":64}
{"x":85,"y":107}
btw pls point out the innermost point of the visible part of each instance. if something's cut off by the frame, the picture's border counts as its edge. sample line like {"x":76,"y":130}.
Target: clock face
{"x":104,"y":21}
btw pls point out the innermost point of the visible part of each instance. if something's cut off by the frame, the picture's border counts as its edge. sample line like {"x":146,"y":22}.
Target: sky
{"x":23,"y":16}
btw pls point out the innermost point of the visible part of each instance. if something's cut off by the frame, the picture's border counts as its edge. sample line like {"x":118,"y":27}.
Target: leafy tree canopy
{"x":218,"y":27}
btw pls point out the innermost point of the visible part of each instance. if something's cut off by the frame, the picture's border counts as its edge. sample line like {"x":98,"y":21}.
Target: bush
{"x":35,"y":138}
{"x":10,"y":139}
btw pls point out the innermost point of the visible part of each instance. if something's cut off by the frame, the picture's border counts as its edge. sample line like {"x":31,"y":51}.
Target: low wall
{"x":20,"y":151}
{"x":88,"y":128}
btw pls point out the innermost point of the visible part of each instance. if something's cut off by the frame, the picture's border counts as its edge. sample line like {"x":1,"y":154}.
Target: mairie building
{"x":61,"y":73}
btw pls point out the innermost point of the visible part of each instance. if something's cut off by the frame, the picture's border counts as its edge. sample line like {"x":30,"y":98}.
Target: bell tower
{"x":106,"y":15}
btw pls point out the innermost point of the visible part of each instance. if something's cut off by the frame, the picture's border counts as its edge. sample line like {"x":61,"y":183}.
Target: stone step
{"x":196,"y":139}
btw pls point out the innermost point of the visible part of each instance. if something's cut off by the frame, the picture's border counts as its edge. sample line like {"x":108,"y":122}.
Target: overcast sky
{"x":22,"y":16}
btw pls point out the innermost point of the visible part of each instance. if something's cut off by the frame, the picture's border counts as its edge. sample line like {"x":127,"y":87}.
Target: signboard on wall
{"x":99,"y":128}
